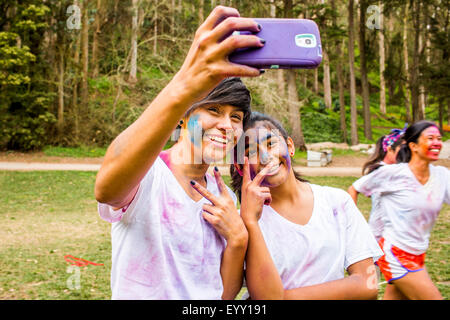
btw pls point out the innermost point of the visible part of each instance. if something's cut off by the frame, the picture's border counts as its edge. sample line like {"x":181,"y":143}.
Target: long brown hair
{"x":373,"y":163}
{"x":236,"y":178}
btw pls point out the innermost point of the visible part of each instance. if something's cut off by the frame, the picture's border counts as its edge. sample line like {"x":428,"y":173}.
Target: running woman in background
{"x":411,"y":194}
{"x":386,"y":150}
{"x":302,"y":236}
{"x":168,"y":242}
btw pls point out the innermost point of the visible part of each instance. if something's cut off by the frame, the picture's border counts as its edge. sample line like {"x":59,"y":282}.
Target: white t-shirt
{"x":409,"y":209}
{"x":375,"y":220}
{"x":335,"y":237}
{"x":162,"y":247}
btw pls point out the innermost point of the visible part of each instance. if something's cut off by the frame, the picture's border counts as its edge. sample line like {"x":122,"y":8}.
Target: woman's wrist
{"x":251,"y":224}
{"x":239,"y":240}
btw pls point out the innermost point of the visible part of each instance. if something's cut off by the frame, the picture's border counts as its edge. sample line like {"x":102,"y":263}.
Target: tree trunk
{"x":406,"y":64}
{"x":382,"y":62}
{"x":60,"y":124}
{"x":76,"y":64}
{"x":155,"y":31}
{"x":172,"y":18}
{"x":421,"y":86}
{"x":340,"y":78}
{"x":293,"y":103}
{"x":273,"y":9}
{"x":134,"y":32}
{"x":351,"y":56}
{"x":201,"y":14}
{"x":326,"y":79}
{"x":414,"y":79}
{"x":448,"y":112}
{"x":316,"y":81}
{"x":364,"y":80}
{"x":294,"y":112}
{"x":424,"y":46}
{"x":95,"y":36}
{"x":85,"y":56}
{"x":340,"y":75}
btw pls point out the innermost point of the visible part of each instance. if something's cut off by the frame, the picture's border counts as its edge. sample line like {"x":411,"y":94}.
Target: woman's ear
{"x":291,"y":146}
{"x":412,"y":146}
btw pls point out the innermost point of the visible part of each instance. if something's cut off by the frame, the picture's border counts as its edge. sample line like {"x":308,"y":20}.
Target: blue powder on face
{"x":195,"y":130}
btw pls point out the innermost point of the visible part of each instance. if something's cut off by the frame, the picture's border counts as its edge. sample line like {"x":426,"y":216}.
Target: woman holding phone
{"x":164,"y":245}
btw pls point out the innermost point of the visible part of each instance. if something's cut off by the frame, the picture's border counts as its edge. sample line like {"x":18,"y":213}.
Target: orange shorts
{"x":396,"y":263}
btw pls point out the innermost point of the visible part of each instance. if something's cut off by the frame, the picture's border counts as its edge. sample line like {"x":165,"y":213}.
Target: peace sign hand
{"x":253,"y":196}
{"x":222,"y":213}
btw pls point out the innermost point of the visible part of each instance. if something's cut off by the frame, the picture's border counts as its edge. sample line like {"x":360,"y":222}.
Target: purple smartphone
{"x":290,"y":44}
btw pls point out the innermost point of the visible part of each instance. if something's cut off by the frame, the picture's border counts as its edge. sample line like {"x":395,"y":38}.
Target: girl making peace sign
{"x":302,"y":236}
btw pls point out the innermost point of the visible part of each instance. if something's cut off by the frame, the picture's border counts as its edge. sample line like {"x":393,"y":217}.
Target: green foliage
{"x":318,"y":126}
{"x":25,"y":98}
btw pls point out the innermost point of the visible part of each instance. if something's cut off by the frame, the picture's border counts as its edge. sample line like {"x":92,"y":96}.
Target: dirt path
{"x":346,"y":165}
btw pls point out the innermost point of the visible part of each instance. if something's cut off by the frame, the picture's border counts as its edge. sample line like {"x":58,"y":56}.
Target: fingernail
{"x":262,"y":40}
{"x":216,"y":169}
{"x":259,"y":27}
{"x":193,"y":182}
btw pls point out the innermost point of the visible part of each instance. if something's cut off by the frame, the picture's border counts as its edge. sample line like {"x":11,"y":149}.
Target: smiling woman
{"x":284,"y":214}
{"x":152,"y":196}
{"x":411,"y":194}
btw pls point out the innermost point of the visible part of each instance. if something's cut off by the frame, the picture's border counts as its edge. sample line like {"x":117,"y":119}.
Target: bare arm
{"x":224,"y":217}
{"x":263,"y":280}
{"x":232,"y":267}
{"x":353,"y":193}
{"x":133,"y":152}
{"x":360,"y":284}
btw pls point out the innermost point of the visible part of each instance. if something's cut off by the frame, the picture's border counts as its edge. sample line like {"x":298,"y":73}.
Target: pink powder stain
{"x":164,"y":155}
{"x":172,"y":215}
{"x":145,"y":269}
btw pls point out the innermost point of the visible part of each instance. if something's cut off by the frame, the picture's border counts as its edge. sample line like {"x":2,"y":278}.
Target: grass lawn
{"x":75,"y":152}
{"x":47,"y":215}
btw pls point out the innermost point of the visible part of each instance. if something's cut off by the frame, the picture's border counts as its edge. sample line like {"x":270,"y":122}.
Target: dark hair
{"x":412,"y":134}
{"x":373,"y":163}
{"x":231,"y":91}
{"x":236,"y":178}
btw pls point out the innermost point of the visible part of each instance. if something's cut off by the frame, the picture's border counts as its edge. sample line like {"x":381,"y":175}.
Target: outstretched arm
{"x":133,"y":152}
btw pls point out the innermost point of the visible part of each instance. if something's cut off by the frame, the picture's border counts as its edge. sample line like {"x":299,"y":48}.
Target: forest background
{"x":78,"y":72}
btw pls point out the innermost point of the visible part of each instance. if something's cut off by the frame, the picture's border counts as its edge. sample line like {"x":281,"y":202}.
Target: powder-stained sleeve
{"x":108,"y":213}
{"x":374,"y":182}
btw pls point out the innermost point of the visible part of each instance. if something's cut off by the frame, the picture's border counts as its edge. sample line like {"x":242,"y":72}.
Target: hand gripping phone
{"x":290,"y":44}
